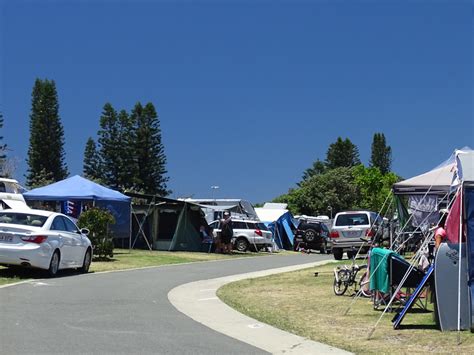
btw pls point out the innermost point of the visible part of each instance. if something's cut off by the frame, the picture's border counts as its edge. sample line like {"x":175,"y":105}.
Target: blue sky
{"x":249,"y":93}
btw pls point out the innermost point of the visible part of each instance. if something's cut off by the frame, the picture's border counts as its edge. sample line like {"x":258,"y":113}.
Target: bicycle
{"x":348,"y":276}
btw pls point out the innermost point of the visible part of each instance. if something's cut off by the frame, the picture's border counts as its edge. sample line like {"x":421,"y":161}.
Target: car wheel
{"x":310,"y":235}
{"x":337,"y":253}
{"x":350,"y":255}
{"x":241,"y":244}
{"x":87,"y":262}
{"x":54,"y":264}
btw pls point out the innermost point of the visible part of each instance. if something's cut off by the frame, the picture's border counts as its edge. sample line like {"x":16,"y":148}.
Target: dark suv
{"x":312,"y":235}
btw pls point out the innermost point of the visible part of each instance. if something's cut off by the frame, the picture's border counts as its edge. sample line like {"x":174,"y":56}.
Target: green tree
{"x":342,"y":153}
{"x":92,"y":168}
{"x":149,"y":151}
{"x":3,"y":148}
{"x":46,"y":149}
{"x":294,"y":200}
{"x":116,"y":152}
{"x":127,"y":174}
{"x":335,"y":189}
{"x":381,"y":156}
{"x":108,"y":146}
{"x":373,"y":186}
{"x":97,"y":221}
{"x":319,"y":167}
{"x":40,"y":179}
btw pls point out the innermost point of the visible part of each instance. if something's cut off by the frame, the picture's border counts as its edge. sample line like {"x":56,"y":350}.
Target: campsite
{"x":236,"y":177}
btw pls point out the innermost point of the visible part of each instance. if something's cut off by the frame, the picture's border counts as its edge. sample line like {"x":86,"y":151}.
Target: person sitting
{"x":207,"y":239}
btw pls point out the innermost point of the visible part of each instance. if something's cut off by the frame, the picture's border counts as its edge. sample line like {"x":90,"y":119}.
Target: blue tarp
{"x":77,"y":188}
{"x":282,"y":230}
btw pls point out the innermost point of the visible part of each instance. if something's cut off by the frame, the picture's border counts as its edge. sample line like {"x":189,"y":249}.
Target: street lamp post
{"x":330,"y":210}
{"x":214,"y":188}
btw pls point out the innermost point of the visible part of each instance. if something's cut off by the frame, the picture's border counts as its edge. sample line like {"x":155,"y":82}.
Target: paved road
{"x":124,"y":312}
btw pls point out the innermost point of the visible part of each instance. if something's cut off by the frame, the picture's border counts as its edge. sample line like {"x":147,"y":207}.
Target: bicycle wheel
{"x":364,"y":285}
{"x":340,"y":284}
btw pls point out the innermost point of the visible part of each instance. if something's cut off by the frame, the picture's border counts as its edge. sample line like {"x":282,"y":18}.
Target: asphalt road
{"x":120,"y":313}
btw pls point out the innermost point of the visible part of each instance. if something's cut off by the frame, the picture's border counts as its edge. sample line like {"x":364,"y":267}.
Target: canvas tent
{"x":78,"y":190}
{"x":165,"y":224}
{"x":280,"y":221}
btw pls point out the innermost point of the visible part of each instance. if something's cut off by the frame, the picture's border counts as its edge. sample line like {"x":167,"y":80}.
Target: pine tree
{"x":116,"y":149}
{"x":3,"y":148}
{"x":108,"y":142}
{"x":127,"y":160}
{"x":318,"y":168}
{"x":149,"y":151}
{"x":381,"y":156}
{"x":92,"y":165}
{"x":46,"y":149}
{"x":342,"y":153}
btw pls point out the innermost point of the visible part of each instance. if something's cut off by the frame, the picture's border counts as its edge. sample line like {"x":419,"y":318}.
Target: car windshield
{"x":262,"y":226}
{"x":24,"y":219}
{"x":353,"y":219}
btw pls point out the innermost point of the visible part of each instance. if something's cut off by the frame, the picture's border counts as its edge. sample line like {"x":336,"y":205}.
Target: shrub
{"x":97,"y":221}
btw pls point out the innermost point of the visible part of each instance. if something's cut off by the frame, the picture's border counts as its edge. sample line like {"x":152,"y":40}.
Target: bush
{"x":97,"y":221}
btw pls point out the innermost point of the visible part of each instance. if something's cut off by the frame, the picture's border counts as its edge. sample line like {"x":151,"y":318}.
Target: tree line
{"x":341,"y":182}
{"x":127,"y":155}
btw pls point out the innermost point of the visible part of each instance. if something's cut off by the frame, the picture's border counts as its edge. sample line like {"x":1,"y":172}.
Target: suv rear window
{"x":353,"y":219}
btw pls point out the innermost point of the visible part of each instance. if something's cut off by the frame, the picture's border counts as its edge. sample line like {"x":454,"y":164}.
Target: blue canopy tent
{"x":282,"y":230}
{"x":75,"y":190}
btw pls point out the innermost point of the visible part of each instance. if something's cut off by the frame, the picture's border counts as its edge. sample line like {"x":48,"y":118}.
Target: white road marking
{"x":255,"y":326}
{"x":208,"y":299}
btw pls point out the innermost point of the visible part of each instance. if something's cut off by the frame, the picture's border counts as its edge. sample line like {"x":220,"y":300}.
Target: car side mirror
{"x":85,"y":231}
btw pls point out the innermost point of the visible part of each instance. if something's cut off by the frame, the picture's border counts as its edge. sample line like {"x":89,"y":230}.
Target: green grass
{"x":124,"y":259}
{"x":303,"y":304}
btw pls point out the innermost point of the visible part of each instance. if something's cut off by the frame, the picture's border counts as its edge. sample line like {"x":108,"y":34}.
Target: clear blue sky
{"x":249,"y":93}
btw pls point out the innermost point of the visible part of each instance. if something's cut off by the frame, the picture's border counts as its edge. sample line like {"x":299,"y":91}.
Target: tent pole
{"x":130,"y":230}
{"x":459,"y":265}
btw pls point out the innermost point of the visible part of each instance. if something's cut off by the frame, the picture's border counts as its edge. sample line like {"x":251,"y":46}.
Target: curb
{"x":198,"y":300}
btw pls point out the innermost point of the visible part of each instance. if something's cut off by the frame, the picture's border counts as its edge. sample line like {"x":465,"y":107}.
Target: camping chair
{"x":398,"y":268}
{"x":389,"y":268}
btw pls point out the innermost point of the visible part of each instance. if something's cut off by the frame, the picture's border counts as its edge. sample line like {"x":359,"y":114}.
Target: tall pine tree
{"x":149,"y":151}
{"x":109,"y":146}
{"x":342,"y":153}
{"x":46,"y":150}
{"x":381,"y":156}
{"x":116,"y":154}
{"x":92,"y":168}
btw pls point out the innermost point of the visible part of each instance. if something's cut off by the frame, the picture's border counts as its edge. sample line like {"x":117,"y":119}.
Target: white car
{"x":43,"y":239}
{"x":247,"y":234}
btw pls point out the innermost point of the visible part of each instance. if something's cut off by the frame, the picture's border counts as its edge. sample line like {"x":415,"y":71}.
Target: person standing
{"x":227,"y":232}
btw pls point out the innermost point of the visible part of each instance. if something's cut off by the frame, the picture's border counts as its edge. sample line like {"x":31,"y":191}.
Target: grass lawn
{"x":124,"y":259}
{"x":303,"y":304}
